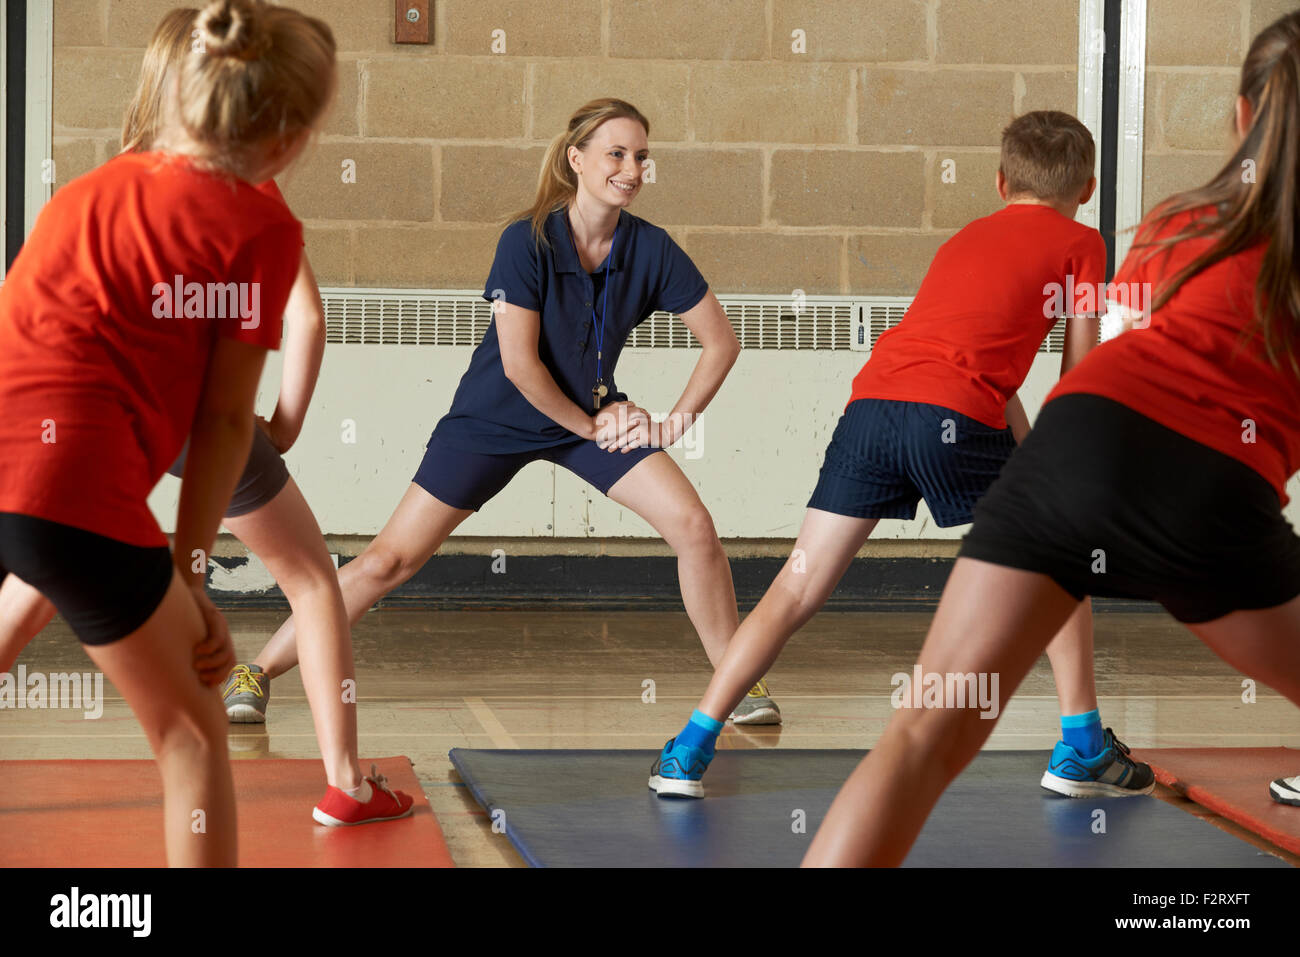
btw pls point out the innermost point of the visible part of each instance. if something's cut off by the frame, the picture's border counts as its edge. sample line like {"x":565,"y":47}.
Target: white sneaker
{"x":1286,"y":790}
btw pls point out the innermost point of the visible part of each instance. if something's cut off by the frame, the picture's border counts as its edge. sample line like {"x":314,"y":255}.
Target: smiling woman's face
{"x":610,"y":168}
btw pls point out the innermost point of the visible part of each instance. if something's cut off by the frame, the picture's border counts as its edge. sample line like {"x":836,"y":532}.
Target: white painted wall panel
{"x":754,"y":459}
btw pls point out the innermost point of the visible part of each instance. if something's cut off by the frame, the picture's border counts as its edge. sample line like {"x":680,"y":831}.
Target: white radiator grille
{"x":434,"y":318}
{"x":366,"y":319}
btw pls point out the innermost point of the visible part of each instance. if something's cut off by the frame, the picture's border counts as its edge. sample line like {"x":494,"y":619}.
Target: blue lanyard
{"x":600,"y":329}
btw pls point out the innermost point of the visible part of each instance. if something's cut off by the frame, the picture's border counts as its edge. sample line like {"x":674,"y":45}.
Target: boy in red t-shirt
{"x":934,"y":415}
{"x":1156,"y":470}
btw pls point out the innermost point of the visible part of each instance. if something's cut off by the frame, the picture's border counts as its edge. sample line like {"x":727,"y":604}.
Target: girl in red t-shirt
{"x":139,"y":312}
{"x":268,"y":512}
{"x":1156,"y":470}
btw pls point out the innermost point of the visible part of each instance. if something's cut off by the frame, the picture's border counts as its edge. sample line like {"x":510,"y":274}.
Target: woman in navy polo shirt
{"x":573,"y":275}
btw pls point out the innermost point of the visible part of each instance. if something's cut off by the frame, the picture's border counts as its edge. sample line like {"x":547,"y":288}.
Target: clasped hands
{"x":624,"y":426}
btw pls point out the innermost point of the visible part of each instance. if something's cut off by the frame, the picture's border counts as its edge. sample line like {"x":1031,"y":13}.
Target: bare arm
{"x":1017,"y":419}
{"x":1080,"y":339}
{"x":517,"y":331}
{"x":304,"y":349}
{"x":720,"y":349}
{"x":220,"y":439}
{"x":710,"y":325}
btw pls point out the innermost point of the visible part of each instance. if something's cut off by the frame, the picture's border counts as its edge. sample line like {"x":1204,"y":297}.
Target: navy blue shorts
{"x":468,"y":479}
{"x":885,"y":456}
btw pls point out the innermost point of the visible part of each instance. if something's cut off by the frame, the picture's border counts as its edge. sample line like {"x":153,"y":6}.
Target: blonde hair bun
{"x":230,"y":28}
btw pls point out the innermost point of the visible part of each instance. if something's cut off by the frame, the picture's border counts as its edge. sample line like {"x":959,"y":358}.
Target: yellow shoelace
{"x":244,"y":682}
{"x":759,"y":690}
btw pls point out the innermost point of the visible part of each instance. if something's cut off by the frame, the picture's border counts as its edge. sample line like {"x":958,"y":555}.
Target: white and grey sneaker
{"x":757,"y":707}
{"x":245,"y":695}
{"x":1286,"y":791}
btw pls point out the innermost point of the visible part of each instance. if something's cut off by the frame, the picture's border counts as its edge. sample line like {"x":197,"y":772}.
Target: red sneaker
{"x":336,"y":809}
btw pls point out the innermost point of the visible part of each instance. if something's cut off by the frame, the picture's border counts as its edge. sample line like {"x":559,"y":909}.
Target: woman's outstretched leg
{"x":416,"y":530}
{"x":658,"y":491}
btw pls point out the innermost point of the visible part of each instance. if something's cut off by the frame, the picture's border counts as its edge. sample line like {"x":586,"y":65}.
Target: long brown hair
{"x":558,"y":183}
{"x":261,"y":71}
{"x":1248,"y":210}
{"x":171,"y":40}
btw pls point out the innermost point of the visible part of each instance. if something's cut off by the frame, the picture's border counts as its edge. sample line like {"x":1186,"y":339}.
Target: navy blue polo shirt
{"x":648,"y":272}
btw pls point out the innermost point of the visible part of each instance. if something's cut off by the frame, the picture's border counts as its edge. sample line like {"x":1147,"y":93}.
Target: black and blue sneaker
{"x":678,"y":770}
{"x":1110,"y":774}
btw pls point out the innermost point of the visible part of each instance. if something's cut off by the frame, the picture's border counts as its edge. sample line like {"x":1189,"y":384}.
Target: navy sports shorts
{"x":468,"y":479}
{"x":106,"y":589}
{"x":885,"y":456}
{"x":264,"y":475}
{"x":1108,"y":502}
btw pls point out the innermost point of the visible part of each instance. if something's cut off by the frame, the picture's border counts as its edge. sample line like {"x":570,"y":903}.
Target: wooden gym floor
{"x":429,"y":681}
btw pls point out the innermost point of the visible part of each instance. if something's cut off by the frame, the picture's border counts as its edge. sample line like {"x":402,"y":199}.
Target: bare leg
{"x":186,"y":726}
{"x":23,"y":613}
{"x":658,"y":491}
{"x":1264,"y":644}
{"x":415,"y":531}
{"x":285,"y":536}
{"x":1072,"y":662}
{"x":877,"y":815}
{"x":823,"y":551}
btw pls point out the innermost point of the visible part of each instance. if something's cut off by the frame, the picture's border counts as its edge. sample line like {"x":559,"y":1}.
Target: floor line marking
{"x":494,"y":728}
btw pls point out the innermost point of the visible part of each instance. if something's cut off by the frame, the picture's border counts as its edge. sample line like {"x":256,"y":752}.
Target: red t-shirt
{"x":1189,"y":369}
{"x":101,"y":360}
{"x":992,"y":294}
{"x":272,"y":190}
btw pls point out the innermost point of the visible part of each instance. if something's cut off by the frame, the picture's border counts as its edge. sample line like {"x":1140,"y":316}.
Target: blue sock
{"x":1084,"y":733}
{"x":700,"y":732}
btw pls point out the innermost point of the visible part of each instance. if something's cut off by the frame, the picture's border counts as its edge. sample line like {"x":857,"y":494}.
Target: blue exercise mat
{"x":593,"y":809}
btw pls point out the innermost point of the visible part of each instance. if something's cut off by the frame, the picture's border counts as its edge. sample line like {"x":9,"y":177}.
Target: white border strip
{"x":1092,"y":51}
{"x":1132,"y":101}
{"x":4,"y":151}
{"x":40,"y":108}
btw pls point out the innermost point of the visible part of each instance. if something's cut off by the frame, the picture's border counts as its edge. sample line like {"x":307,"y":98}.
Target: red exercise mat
{"x":109,"y":814}
{"x":1233,"y":782}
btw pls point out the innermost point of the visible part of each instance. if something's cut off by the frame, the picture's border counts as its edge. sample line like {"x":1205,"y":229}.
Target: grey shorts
{"x":263,"y":478}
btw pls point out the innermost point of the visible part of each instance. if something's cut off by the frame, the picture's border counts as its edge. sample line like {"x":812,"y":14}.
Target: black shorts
{"x":106,"y":589}
{"x":1109,"y":503}
{"x":264,"y":475}
{"x":886,"y":455}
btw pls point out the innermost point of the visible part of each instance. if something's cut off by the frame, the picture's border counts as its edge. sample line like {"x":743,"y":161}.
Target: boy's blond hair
{"x":1047,"y":154}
